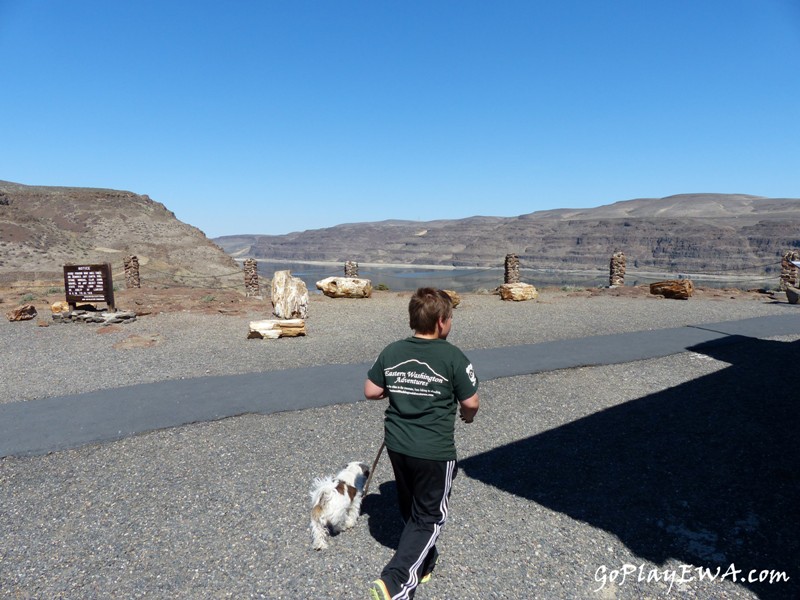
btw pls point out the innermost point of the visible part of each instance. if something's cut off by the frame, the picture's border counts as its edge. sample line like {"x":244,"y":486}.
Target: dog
{"x":336,"y":502}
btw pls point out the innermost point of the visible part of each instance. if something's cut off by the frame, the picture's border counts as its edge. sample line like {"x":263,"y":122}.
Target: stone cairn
{"x":616,"y":274}
{"x":251,"y":286}
{"x":131,"y":264}
{"x":788,"y":270}
{"x":512,"y":269}
{"x":351,"y":269}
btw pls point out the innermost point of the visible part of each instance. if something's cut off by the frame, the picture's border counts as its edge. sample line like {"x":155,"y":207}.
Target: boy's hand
{"x":469,"y":408}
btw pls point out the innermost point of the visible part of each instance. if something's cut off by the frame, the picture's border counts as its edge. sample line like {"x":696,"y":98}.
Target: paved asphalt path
{"x":45,"y":425}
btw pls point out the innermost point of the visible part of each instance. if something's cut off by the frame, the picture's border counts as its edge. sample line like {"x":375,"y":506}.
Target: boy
{"x":425,"y":378}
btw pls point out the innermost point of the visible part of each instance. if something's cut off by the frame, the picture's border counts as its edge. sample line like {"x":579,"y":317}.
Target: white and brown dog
{"x":336,"y":502}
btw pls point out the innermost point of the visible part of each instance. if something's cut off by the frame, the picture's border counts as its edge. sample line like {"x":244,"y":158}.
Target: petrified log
{"x":345,"y":287}
{"x":678,"y":289}
{"x":289,"y":296}
{"x":518,"y":292}
{"x":23,"y":313}
{"x":454,"y":297}
{"x":59,"y":307}
{"x":275,"y":328}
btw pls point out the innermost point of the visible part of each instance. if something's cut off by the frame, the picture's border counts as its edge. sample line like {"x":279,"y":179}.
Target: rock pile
{"x":351,"y":269}
{"x":91,"y":316}
{"x":788,"y":270}
{"x":511,"y":274}
{"x":131,"y":265}
{"x":251,"y":285}
{"x":616,"y":275}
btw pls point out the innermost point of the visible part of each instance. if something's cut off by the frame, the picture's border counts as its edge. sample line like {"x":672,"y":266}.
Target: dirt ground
{"x":142,"y":301}
{"x":231,"y":301}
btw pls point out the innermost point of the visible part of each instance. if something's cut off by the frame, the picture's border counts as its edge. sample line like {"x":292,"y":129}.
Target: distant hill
{"x":692,"y":233}
{"x":43,"y":228}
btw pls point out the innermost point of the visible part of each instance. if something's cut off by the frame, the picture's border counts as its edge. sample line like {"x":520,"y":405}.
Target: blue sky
{"x":270,"y":117}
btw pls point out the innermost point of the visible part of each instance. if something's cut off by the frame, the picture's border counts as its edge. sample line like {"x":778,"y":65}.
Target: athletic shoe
{"x":426,"y":577}
{"x":378,"y":591}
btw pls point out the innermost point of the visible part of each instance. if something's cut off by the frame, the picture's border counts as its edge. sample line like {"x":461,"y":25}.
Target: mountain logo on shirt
{"x":413,"y":377}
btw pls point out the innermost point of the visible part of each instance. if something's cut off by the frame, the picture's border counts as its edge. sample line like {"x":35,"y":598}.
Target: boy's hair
{"x":425,"y":308}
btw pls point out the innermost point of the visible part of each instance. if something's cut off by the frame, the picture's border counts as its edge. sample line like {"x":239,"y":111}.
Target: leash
{"x":374,"y":464}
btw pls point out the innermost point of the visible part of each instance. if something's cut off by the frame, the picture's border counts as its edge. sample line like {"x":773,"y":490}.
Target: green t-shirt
{"x":424,"y":379}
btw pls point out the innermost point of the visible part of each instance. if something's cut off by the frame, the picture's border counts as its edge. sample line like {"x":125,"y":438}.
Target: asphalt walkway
{"x":46,"y":425}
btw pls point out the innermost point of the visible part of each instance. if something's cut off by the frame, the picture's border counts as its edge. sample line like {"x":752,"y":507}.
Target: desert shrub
{"x":382,"y":287}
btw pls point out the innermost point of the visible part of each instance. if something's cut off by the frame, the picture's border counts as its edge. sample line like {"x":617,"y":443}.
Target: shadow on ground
{"x":385,"y":523}
{"x":706,"y":472}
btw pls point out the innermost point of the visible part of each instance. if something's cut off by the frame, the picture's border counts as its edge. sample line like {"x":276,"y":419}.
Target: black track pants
{"x":423,"y":491}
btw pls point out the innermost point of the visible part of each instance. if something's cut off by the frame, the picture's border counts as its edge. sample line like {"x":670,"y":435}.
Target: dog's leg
{"x":353,"y":511}
{"x":319,"y":535}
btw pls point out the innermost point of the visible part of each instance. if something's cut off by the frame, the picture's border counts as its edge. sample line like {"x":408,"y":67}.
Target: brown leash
{"x":374,"y":464}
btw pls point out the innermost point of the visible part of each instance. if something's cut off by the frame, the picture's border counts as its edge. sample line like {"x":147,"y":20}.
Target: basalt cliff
{"x":718,"y":234}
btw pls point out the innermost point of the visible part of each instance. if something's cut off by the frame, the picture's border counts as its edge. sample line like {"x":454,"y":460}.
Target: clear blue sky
{"x":270,"y":117}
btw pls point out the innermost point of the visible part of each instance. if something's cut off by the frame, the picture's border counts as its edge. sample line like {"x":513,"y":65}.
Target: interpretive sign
{"x":89,"y":283}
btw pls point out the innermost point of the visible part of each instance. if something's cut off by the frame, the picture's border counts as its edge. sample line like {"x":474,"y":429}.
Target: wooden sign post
{"x":89,"y":283}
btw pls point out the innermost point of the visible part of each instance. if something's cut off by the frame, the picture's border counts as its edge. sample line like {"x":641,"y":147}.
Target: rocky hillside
{"x":44,"y":228}
{"x":692,"y":233}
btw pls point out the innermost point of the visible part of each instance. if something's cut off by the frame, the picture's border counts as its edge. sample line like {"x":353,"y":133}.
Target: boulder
{"x":518,"y":292}
{"x":59,"y":307}
{"x":274,"y":328}
{"x":454,"y":297}
{"x":289,"y":296}
{"x":677,"y":289}
{"x":345,"y":287}
{"x":23,"y":313}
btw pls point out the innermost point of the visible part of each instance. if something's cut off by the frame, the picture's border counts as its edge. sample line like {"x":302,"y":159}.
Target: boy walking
{"x":425,"y":378}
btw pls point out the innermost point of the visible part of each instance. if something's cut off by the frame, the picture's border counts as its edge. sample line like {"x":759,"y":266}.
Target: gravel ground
{"x":565,"y":476}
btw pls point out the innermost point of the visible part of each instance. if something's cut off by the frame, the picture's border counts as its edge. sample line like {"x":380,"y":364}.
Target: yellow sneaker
{"x":378,"y":591}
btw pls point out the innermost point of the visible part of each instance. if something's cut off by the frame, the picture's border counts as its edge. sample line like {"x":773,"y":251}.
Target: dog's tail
{"x":322,"y":489}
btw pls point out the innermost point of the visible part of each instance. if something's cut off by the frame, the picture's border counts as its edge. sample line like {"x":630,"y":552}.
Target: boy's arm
{"x":469,"y":408}
{"x":373,"y":391}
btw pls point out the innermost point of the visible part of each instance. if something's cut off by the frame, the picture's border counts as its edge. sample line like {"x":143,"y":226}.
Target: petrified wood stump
{"x":289,"y":296}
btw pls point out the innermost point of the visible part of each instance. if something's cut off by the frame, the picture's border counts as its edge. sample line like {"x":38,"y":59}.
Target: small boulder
{"x":25,"y":312}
